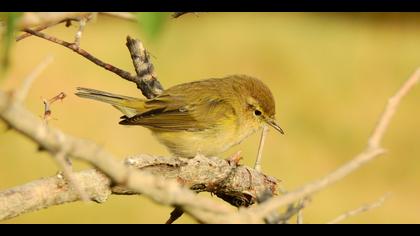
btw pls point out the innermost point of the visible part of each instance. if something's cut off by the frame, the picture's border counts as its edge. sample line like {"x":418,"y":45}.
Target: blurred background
{"x":331,"y":75}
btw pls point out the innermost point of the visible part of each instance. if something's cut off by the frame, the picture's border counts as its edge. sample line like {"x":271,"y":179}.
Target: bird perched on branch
{"x":201,"y":117}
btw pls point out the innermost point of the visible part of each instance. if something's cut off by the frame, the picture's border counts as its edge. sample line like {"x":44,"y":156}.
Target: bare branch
{"x":372,"y":151}
{"x":43,"y":27}
{"x":201,"y":174}
{"x":47,"y":19}
{"x":46,"y":192}
{"x":357,"y":211}
{"x":51,"y":20}
{"x":393,"y":102}
{"x":146,"y":78}
{"x":48,"y":103}
{"x":122,"y":73}
{"x":292,"y":210}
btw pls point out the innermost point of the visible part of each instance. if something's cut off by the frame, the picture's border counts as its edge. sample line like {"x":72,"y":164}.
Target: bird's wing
{"x":173,"y":113}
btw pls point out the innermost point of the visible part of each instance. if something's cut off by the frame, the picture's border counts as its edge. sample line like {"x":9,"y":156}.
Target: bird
{"x":204,"y":117}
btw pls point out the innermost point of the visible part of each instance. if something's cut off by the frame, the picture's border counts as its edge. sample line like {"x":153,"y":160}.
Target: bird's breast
{"x":208,"y":142}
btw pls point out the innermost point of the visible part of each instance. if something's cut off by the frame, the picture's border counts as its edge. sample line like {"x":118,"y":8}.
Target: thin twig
{"x":87,"y":16}
{"x":22,"y":92}
{"x":372,"y":151}
{"x":357,"y":211}
{"x":43,"y":27}
{"x":257,"y":165}
{"x":292,"y":210}
{"x":49,"y":102}
{"x":122,"y":73}
{"x":35,"y":19}
{"x":145,"y":79}
{"x":393,"y":102}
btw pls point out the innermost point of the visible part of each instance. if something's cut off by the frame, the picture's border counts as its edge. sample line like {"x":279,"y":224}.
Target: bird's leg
{"x":257,"y":165}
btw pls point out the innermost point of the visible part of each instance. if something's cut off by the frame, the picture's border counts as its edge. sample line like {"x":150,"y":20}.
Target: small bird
{"x":202,"y":117}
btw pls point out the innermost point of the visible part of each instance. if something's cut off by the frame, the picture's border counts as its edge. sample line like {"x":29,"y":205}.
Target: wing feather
{"x":173,"y":113}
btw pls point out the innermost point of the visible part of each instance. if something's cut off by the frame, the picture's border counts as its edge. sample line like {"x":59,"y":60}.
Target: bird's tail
{"x":129,"y":106}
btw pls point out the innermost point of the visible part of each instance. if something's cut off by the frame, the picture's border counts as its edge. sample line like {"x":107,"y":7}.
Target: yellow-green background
{"x":331,"y":75}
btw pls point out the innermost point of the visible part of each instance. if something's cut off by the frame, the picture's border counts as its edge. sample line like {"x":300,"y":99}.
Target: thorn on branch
{"x":48,"y":103}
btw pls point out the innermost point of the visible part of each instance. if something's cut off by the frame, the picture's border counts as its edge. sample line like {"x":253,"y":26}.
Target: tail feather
{"x":129,"y":106}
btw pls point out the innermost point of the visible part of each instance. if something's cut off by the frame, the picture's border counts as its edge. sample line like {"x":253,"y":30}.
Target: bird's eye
{"x":257,"y":112}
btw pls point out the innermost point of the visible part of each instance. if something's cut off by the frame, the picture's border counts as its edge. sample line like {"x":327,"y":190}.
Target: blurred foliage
{"x":330,"y":73}
{"x":152,"y":23}
{"x":8,"y":37}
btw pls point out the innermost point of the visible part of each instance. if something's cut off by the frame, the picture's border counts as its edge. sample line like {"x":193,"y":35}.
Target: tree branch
{"x":146,"y":78}
{"x":372,"y":151}
{"x":122,"y":73}
{"x":200,"y":174}
{"x":48,"y":19}
{"x":43,"y":27}
{"x":357,"y":211}
{"x":46,"y":192}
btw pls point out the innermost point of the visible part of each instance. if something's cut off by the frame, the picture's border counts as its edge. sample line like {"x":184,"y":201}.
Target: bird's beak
{"x":273,"y":123}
